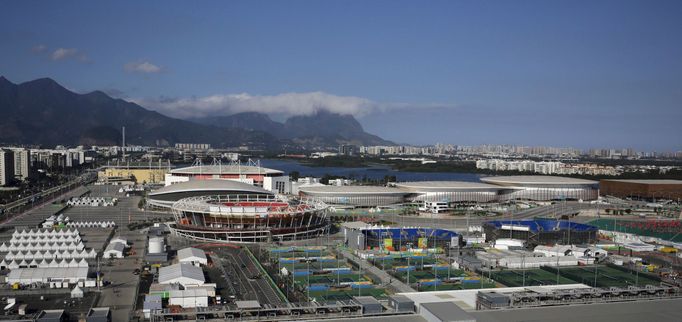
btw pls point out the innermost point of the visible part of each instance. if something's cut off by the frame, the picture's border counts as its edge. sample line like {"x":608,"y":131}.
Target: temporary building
{"x":77,"y":293}
{"x":46,"y":275}
{"x":181,"y":273}
{"x":13,"y":265}
{"x":114,"y":250}
{"x":83,"y":263}
{"x":192,"y":255}
{"x":73,"y":263}
{"x":189,"y":298}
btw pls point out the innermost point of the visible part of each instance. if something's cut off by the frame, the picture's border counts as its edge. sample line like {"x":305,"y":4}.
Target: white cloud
{"x":144,"y":67}
{"x":39,"y":49}
{"x":64,"y":53}
{"x":286,"y":104}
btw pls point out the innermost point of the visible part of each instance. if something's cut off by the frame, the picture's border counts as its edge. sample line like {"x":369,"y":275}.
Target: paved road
{"x":239,"y":265}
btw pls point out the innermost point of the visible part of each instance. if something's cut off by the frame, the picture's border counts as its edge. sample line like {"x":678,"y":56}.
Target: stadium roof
{"x":647,"y":181}
{"x":225,"y":169}
{"x":445,"y":186}
{"x":210,"y":185}
{"x":351,"y":190}
{"x":536,"y":180}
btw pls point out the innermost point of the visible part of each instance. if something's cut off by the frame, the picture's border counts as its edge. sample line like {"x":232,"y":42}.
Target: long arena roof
{"x":351,"y":190}
{"x":210,"y":185}
{"x":225,"y":169}
{"x":536,"y":180}
{"x":538,"y":225}
{"x":445,"y":186}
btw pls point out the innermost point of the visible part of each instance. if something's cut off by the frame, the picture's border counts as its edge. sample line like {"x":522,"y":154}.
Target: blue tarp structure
{"x":538,"y":225}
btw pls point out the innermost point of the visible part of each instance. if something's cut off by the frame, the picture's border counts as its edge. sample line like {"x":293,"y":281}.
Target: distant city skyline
{"x":586,"y":75}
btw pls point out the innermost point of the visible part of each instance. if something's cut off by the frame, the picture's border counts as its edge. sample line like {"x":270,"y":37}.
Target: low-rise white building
{"x":191,"y":255}
{"x":114,"y":250}
{"x":181,"y":273}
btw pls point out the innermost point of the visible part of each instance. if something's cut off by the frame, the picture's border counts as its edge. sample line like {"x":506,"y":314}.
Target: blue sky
{"x":562,"y":73}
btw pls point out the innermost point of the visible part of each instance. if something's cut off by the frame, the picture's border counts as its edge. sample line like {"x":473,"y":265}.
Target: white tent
{"x":13,"y":265}
{"x":83,"y":263}
{"x":19,"y":255}
{"x":76,"y":293}
{"x":9,"y":256}
{"x":3,"y":247}
{"x":3,"y":264}
{"x":43,"y":264}
{"x":64,"y":263}
{"x":93,"y":253}
{"x":80,"y":246}
{"x":75,"y":254}
{"x":23,"y":263}
{"x":53,"y":264}
{"x":73,"y":263}
{"x":33,"y":263}
{"x":84,"y":254}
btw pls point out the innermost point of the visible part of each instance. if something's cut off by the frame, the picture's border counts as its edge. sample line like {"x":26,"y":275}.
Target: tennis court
{"x":605,"y":276}
{"x":529,"y":277}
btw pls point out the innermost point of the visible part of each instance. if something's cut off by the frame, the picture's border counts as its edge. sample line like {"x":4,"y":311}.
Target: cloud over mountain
{"x":285,"y":104}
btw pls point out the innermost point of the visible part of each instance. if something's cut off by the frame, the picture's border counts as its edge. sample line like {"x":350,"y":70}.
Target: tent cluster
{"x":51,"y":254}
{"x":45,"y":239}
{"x":41,"y":246}
{"x":95,"y":224}
{"x":43,"y":263}
{"x":45,"y":233}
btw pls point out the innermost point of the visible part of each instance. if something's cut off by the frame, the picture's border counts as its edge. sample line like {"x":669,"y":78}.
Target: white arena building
{"x":451,"y":191}
{"x":251,"y":173}
{"x":491,"y":189}
{"x":355,"y":196}
{"x":166,"y":196}
{"x":544,"y":188}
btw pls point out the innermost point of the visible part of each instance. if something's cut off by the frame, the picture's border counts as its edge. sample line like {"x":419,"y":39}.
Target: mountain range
{"x":42,"y":112}
{"x":321,"y":128}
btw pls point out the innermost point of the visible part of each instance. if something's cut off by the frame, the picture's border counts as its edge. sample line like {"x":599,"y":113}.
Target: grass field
{"x":533,"y":277}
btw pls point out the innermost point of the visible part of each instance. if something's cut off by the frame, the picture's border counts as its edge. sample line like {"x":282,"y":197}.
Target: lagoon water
{"x":372,"y":172}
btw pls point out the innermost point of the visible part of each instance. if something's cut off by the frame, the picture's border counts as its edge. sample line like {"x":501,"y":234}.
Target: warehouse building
{"x":181,"y":273}
{"x":191,"y":255}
